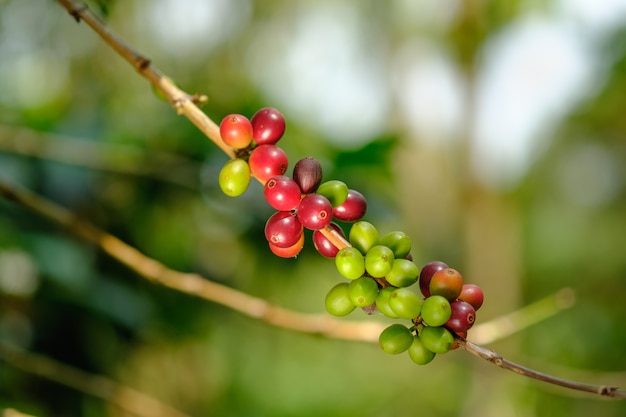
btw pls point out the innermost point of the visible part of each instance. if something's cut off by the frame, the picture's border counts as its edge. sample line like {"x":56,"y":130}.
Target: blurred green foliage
{"x":79,"y":127}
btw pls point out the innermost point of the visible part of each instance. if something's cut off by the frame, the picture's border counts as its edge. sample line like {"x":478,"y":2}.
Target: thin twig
{"x":128,"y":399}
{"x":195,"y":284}
{"x":496,"y":359}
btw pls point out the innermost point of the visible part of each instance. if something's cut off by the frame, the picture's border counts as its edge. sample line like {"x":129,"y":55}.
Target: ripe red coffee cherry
{"x":282,"y":193}
{"x":426,"y":275}
{"x":352,"y":209}
{"x":289,"y":252}
{"x":283,"y":229}
{"x":236,"y":131}
{"x":323,"y":245}
{"x":307,"y":173}
{"x":267,"y":161}
{"x":447,"y":283}
{"x":472,"y":294}
{"x":315,"y":211}
{"x":268,"y":126}
{"x":462,"y":318}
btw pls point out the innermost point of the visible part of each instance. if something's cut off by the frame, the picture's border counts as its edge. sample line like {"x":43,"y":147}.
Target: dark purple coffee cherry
{"x":307,"y":173}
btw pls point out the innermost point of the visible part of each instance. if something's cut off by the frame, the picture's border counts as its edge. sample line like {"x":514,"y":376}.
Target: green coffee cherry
{"x":350,"y":262}
{"x":395,"y":339}
{"x":335,"y":191}
{"x":403,"y":273}
{"x":418,"y":352}
{"x":363,"y":236}
{"x":382,"y":302}
{"x":337,"y":301}
{"x":363,"y":291}
{"x":234,"y":177}
{"x":379,"y":261}
{"x":398,"y":242}
{"x":436,"y":339}
{"x":436,"y":310}
{"x":405,"y":303}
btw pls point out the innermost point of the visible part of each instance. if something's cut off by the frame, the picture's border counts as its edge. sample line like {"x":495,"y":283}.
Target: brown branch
{"x":496,"y":359}
{"x":128,"y":399}
{"x":196,"y":285}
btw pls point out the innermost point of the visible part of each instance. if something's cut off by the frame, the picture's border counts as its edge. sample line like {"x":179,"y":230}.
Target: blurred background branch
{"x":116,"y":158}
{"x":129,"y":400}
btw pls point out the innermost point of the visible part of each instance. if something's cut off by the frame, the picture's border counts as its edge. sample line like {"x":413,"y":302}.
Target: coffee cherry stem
{"x":334,"y":237}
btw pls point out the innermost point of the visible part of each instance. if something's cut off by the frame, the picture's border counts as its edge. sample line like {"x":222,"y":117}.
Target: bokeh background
{"x":491,"y":132}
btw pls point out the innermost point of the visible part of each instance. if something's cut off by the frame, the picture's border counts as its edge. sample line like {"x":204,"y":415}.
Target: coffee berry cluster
{"x":302,"y":201}
{"x":379,"y":270}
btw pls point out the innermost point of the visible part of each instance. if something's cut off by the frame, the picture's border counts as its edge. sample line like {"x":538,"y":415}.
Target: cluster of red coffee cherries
{"x":379,"y":270}
{"x":254,"y":142}
{"x":302,"y":201}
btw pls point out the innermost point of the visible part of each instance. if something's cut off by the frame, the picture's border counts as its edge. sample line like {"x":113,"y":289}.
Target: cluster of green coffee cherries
{"x":379,"y":269}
